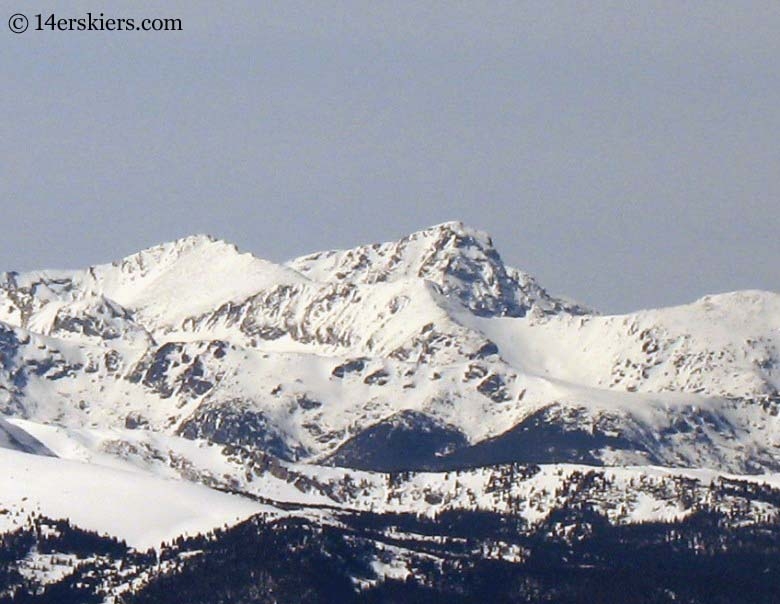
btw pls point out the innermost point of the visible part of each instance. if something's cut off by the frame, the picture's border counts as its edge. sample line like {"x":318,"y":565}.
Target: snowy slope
{"x":724,"y":345}
{"x":140,"y":508}
{"x":160,"y":286}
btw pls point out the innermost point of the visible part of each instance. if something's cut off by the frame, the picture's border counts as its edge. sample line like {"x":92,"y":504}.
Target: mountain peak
{"x":456,"y":233}
{"x":459,"y":259}
{"x":196,"y":239}
{"x":172,"y":250}
{"x":450,"y":226}
{"x":176,"y":280}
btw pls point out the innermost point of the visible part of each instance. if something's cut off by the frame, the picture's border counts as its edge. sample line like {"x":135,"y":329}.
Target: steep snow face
{"x":16,"y":439}
{"x":166,"y":284}
{"x":329,"y":318}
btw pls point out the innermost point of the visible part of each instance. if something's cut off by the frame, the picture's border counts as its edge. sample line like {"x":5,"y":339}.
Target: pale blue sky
{"x":627,"y":154}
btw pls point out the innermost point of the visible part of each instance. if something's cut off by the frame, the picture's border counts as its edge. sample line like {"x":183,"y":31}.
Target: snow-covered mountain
{"x":192,"y":368}
{"x":430,"y":338}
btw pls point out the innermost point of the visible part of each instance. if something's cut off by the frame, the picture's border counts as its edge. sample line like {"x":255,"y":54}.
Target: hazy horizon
{"x":625,"y":157}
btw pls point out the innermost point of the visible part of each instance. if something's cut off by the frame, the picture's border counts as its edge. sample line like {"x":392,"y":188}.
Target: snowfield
{"x":141,"y":509}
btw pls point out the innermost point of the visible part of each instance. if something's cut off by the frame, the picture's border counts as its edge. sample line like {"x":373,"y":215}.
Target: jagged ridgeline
{"x":368,"y":401}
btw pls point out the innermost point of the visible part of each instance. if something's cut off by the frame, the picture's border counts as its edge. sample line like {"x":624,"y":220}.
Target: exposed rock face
{"x":462,"y":262}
